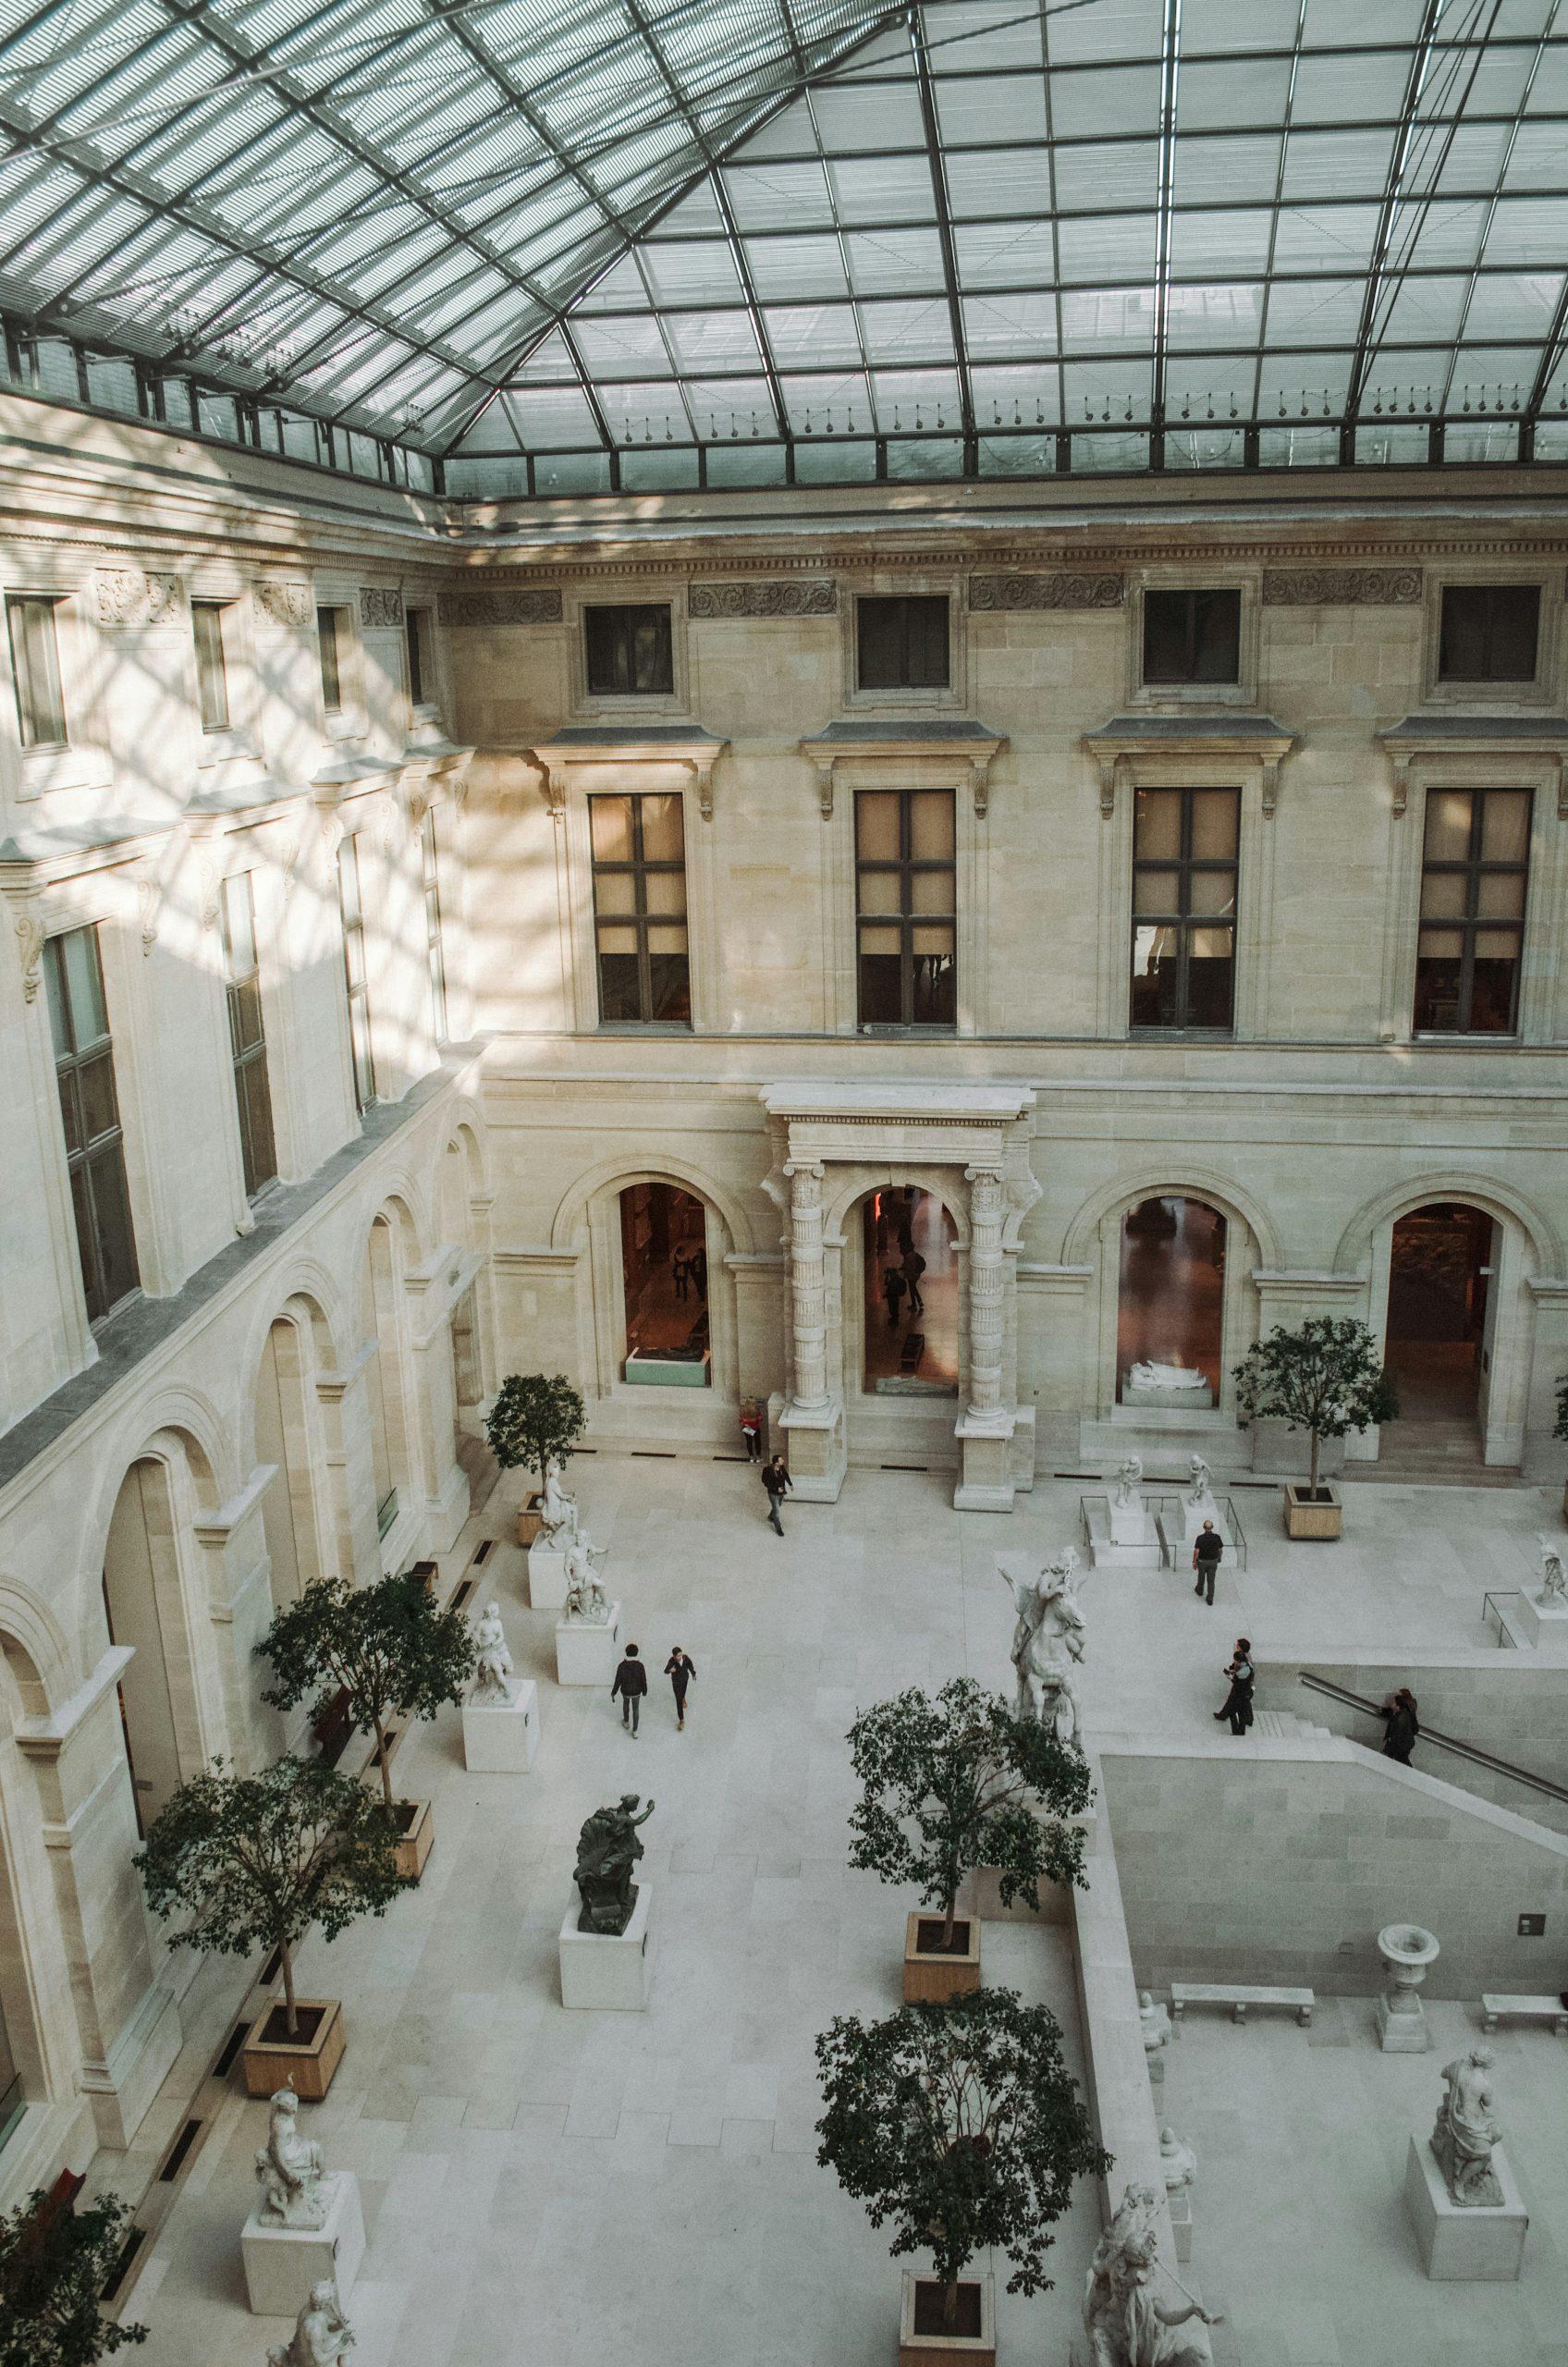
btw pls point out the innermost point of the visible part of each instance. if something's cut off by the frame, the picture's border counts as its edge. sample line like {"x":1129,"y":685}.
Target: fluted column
{"x":986,"y":1311}
{"x":808,"y":1281}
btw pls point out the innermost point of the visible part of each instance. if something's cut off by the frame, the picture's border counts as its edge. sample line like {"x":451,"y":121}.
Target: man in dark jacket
{"x":1207,"y":1547}
{"x":1404,"y":1726}
{"x":777,"y":1481}
{"x":1237,"y":1704}
{"x":893,"y":1291}
{"x":631,"y":1682}
{"x":913,"y":1266}
{"x":681,"y":1669}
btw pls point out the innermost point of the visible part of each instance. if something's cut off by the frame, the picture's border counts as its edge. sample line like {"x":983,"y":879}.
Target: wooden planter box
{"x":530,"y":1520}
{"x":307,"y":2062}
{"x":934,"y":1974}
{"x":973,"y":2342}
{"x":1306,"y":1515}
{"x":419,"y":1832}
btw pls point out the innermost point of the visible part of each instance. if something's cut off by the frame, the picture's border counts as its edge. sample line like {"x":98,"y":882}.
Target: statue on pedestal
{"x":1050,"y":1633}
{"x":1465,"y":2130}
{"x":322,"y":2336}
{"x":607,"y":1849}
{"x":289,"y":2170}
{"x":1126,"y":2326}
{"x":1552,"y":1593}
{"x":1200,"y":1484}
{"x":558,"y":1511}
{"x":1127,"y":1497}
{"x":1155,"y":2023}
{"x":1177,"y":2161}
{"x":585,"y":1598}
{"x":493,"y":1661}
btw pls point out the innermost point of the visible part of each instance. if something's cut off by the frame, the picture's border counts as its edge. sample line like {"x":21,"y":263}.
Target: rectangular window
{"x":212,"y":670}
{"x":1184,"y":907}
{"x":629,"y":652}
{"x":906,"y":906}
{"x":435,"y":955}
{"x":84,"y":1072}
{"x":35,"y":667}
{"x":1489,"y":633}
{"x":1192,"y":637}
{"x":1474,"y":869}
{"x":422,"y":669}
{"x":354,"y":979}
{"x":639,"y":911}
{"x":902,"y":645}
{"x":247,"y":1041}
{"x":329,"y":634}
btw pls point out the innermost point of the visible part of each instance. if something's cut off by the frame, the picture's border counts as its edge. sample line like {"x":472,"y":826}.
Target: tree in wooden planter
{"x":391,"y":1652}
{"x":259,"y":1860}
{"x":54,"y":2260}
{"x":952,"y":1784}
{"x":537,"y":1419}
{"x":963,"y":2125}
{"x":1325,"y":1379}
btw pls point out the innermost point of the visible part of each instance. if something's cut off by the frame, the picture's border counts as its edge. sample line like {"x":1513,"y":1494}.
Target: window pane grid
{"x":252,"y":1089}
{"x":629,"y":651}
{"x":907,"y":908}
{"x":90,"y":1114}
{"x":640,"y":912}
{"x":354,"y":982}
{"x":1471,"y":935}
{"x":331,"y":666}
{"x":1185,"y":908}
{"x":212,"y":675}
{"x":35,"y":668}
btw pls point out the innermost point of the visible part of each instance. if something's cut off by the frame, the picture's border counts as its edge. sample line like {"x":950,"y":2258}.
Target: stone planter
{"x":1408,"y":1951}
{"x":270,"y":2059}
{"x":922,"y":2342}
{"x":419,"y":1831}
{"x":1313,"y":1515}
{"x":933,"y":1974}
{"x":530,"y":1520}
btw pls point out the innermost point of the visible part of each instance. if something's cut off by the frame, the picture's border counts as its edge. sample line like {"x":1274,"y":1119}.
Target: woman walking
{"x":778,"y":1483}
{"x":681,"y":1672}
{"x":1237,"y":1704}
{"x":1404,"y":1726}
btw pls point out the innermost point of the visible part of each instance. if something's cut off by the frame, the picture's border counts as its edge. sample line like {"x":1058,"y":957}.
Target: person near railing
{"x":1237,"y":1704}
{"x":1402,"y":1725}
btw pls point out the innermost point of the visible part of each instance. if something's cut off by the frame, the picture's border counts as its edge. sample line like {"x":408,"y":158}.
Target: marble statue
{"x":1200,"y":1483}
{"x":1465,"y":2130}
{"x":1129,"y":1481}
{"x":585,"y":1598}
{"x":607,"y":1849}
{"x":1049,"y":1634}
{"x":558,"y":1511}
{"x":1158,"y":1376}
{"x":289,"y":2170}
{"x":1126,"y":2326}
{"x":1552,"y":1593}
{"x":1177,"y":2161}
{"x":322,"y":2336}
{"x":493,"y":1661}
{"x":1155,"y":2023}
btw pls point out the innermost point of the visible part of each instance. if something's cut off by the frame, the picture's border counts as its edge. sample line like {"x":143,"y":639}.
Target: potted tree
{"x":388,"y":1651}
{"x":535,"y":1417}
{"x":950,"y":1785}
{"x":258,"y":1859}
{"x":963,"y":2125}
{"x":1325,"y":1379}
{"x":54,"y":2260}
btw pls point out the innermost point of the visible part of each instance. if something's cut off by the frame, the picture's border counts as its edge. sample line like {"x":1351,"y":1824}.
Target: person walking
{"x":631,"y":1682}
{"x":777,"y":1481}
{"x":913,"y":1267}
{"x":1207,"y":1547}
{"x":893,"y":1291}
{"x":1398,"y":1714}
{"x":1237,"y":1704}
{"x":681,"y":1672}
{"x":678,"y":1271}
{"x":750,"y":1430}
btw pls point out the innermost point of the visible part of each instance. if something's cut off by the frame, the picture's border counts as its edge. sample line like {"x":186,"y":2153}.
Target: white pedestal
{"x":547,"y":1577}
{"x":1182,"y":2223}
{"x":1404,"y":2033}
{"x":1194,"y":1516}
{"x":1105,"y":1554}
{"x":282,"y":2263}
{"x":609,"y":1971}
{"x":1168,"y":1401}
{"x":500,"y":1738}
{"x":588,"y":1650}
{"x":1129,"y":1522}
{"x":1483,"y":2244}
{"x":1539,"y":1623}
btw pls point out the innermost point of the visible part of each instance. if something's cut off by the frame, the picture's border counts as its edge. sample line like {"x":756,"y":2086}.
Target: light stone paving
{"x":555,"y":2189}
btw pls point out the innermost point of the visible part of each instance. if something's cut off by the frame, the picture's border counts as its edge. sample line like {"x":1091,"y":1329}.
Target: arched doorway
{"x":909,"y":1295}
{"x":284,"y":1438}
{"x":142,"y":1594}
{"x":1170,"y":1304}
{"x":383,"y":1374}
{"x":1440,"y":1262}
{"x":664,"y":1276}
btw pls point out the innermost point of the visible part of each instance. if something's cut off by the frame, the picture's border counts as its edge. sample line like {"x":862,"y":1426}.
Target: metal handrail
{"x":1443,"y":1742}
{"x":1490,"y":1608}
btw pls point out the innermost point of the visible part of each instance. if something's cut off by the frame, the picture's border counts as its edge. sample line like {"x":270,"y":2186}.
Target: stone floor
{"x":553,"y":2189}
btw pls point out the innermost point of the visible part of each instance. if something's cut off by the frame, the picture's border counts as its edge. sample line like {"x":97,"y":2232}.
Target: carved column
{"x":986,"y":1313}
{"x":808,"y":1282}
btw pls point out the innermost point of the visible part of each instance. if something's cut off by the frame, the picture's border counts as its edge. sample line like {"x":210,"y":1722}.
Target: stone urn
{"x":1408,"y":1951}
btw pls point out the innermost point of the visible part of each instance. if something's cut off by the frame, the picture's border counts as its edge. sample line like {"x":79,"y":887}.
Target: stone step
{"x":1284,"y":1725}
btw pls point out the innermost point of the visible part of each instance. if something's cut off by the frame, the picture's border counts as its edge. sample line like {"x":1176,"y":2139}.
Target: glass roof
{"x":570,"y":243}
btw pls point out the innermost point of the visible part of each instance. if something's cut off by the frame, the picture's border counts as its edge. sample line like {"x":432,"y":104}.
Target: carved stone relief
{"x":538,"y":605}
{"x":811,"y":597}
{"x":380,"y":608}
{"x":130,"y":595}
{"x":285,"y":604}
{"x":1056,"y":591}
{"x":1312,"y":587}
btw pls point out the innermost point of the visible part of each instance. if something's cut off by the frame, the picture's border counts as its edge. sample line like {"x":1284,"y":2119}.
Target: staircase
{"x":1284,"y":1725}
{"x":1432,"y":1453}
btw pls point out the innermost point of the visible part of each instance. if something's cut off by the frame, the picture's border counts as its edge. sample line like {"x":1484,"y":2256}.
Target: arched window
{"x":1440,"y":1273}
{"x":911,"y":1295}
{"x":138,"y":1566}
{"x":664,"y":1272}
{"x":1170,"y":1303}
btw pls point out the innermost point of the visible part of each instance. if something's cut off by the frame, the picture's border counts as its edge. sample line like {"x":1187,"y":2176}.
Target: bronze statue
{"x":608,"y":1848}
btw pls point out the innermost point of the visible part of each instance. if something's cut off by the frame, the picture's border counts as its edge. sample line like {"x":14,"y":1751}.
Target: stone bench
{"x":1238,"y":1997}
{"x":1495,"y":2007}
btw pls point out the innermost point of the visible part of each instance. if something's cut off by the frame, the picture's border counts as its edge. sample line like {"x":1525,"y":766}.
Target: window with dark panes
{"x":355,"y":982}
{"x":421,"y":664}
{"x":901,"y":644}
{"x":434,"y":952}
{"x":630,"y":652}
{"x":247,"y":1040}
{"x":1488,"y":633}
{"x":84,"y":1072}
{"x":639,"y":847}
{"x":35,"y":669}
{"x":1191,"y":636}
{"x":1475,"y":870}
{"x":211,"y":666}
{"x":1184,"y":861}
{"x":906,"y":907}
{"x":330,"y":637}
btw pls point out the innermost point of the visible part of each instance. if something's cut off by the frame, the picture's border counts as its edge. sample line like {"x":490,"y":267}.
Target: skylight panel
{"x":1339,"y":24}
{"x":1308,"y":312}
{"x":1007,"y":182}
{"x":788,"y":266}
{"x":1529,"y":230}
{"x":690,"y":271}
{"x":1425,"y":308}
{"x":1405,"y":378}
{"x":1116,"y":100}
{"x":1112,"y":30}
{"x":1508,"y":304}
{"x":647,"y":411}
{"x":877,"y":117}
{"x":831,"y":405}
{"x":1208,"y":243}
{"x":540,"y":417}
{"x":1124,"y":174}
{"x":1219,"y":24}
{"x":1022,"y":397}
{"x":1350,"y":90}
{"x":915,"y":399}
{"x":886,"y":261}
{"x":1246,"y":170}
{"x":711,"y":340}
{"x":1337,"y":164}
{"x":630,"y":346}
{"x":1005,"y":254}
{"x":985,"y":33}
{"x":1009,"y":325}
{"x":1323,"y":238}
{"x":816,"y":335}
{"x":887,"y":189}
{"x":986,"y":108}
{"x":1212,"y":97}
{"x":917,"y":330}
{"x":1098,"y":393}
{"x":1107,"y":320}
{"x":1228,"y":312}
{"x":724,"y":406}
{"x":779,"y":197}
{"x":1097,"y":249}
{"x":1301,"y":384}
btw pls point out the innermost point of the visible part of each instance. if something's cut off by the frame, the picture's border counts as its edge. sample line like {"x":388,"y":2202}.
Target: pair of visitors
{"x":1237,"y":1704}
{"x":632,"y":1685}
{"x":1207,"y":1547}
{"x":778,"y":1483}
{"x":1402,"y":1726}
{"x":893,"y":1289}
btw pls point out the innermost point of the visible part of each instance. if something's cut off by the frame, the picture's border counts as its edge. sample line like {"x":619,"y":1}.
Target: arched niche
{"x":170,"y":1696}
{"x":1173,"y":1263}
{"x":295,"y":1516}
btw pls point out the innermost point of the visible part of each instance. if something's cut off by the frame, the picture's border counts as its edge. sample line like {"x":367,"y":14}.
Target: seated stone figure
{"x":493,"y":1661}
{"x":322,"y":2336}
{"x":585,"y":1598}
{"x":558,"y":1511}
{"x":289,"y":2170}
{"x":1465,"y":2130}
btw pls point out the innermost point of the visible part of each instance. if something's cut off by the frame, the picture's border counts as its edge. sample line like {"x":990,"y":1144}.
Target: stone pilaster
{"x":985,"y":1431}
{"x":813,"y":1419}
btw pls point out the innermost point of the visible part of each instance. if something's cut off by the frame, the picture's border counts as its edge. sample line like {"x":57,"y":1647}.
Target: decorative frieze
{"x":1321,"y":587}
{"x":1062,"y":590}
{"x":380,"y":609}
{"x":812,"y":595}
{"x":130,"y":595}
{"x":288,"y":605}
{"x":533,"y":605}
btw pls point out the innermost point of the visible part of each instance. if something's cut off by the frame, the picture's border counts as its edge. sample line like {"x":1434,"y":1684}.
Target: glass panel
{"x":212,"y":681}
{"x":615,"y":892}
{"x":1494,"y":978}
{"x":1209,"y":969}
{"x":931,"y":824}
{"x":1156,"y":891}
{"x":1437,"y":984}
{"x":349,"y":881}
{"x":1157,"y":823}
{"x":619,"y":995}
{"x":877,"y":824}
{"x":1215,"y":814}
{"x":59,"y":1010}
{"x":35,"y":664}
{"x":881,"y":989}
{"x":239,"y":926}
{"x":879,"y":892}
{"x":669,"y":985}
{"x":1443,"y":895}
{"x":609,"y":820}
{"x":1448,"y":825}
{"x":1155,"y":978}
{"x":932,"y":891}
{"x":1211,"y":891}
{"x":1500,"y":895}
{"x":1505,"y":826}
{"x":1167,"y":637}
{"x":666,"y":936}
{"x":1217,"y":636}
{"x":664,"y":837}
{"x":260,"y":1161}
{"x":111,"y":1207}
{"x":331,"y":672}
{"x":1445,"y":944}
{"x":86,"y":1244}
{"x":629,"y":651}
{"x":84,"y":983}
{"x":935,"y":992}
{"x":667,"y":893}
{"x":95,"y":1083}
{"x":245,"y":1004}
{"x":617,"y":938}
{"x":70,"y":1115}
{"x":902,"y":643}
{"x":931,"y":937}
